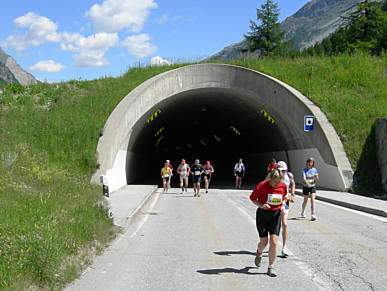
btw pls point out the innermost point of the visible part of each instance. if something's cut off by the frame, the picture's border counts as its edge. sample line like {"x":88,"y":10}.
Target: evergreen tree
{"x":267,"y":37}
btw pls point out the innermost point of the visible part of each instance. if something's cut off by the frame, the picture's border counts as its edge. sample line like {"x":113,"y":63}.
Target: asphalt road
{"x":178,"y":242}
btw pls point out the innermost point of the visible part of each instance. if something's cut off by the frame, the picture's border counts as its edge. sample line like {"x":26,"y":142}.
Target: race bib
{"x":207,"y":172}
{"x":166,"y":175}
{"x":311,"y":182}
{"x":197,"y":173}
{"x":274,"y":199}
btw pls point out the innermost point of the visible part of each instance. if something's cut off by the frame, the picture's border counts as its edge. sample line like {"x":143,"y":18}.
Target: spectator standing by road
{"x":269,"y":196}
{"x":239,"y":173}
{"x":309,"y":177}
{"x":196,"y":171}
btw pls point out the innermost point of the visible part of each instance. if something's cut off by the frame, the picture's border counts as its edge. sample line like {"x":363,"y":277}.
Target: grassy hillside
{"x":52,"y":221}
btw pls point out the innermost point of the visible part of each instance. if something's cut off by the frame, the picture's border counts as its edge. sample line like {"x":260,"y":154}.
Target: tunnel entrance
{"x":215,"y":125}
{"x":219,"y":113}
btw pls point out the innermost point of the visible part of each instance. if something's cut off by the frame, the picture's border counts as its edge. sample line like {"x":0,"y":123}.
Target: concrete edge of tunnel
{"x":357,"y":207}
{"x":134,"y":213}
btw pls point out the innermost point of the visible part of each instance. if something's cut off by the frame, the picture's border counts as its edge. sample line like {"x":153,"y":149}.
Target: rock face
{"x":11,"y":72}
{"x":316,"y":20}
{"x":381,"y":148}
{"x":310,"y":24}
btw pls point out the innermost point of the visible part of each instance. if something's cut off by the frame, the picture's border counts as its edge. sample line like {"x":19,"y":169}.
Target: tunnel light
{"x":159,"y":140}
{"x":217,"y":138}
{"x":233,"y":128}
{"x":153,"y":116}
{"x":189,"y":145}
{"x":267,"y":116}
{"x":159,"y":131}
{"x":203,"y":143}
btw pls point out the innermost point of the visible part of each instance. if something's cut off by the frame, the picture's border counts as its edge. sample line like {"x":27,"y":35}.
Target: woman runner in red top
{"x":269,"y":196}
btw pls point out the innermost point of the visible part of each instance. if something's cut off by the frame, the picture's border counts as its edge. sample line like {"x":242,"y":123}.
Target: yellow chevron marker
{"x":235,"y":130}
{"x":203,"y":143}
{"x":267,"y":116}
{"x":153,"y":116}
{"x":217,"y":138}
{"x":189,"y":145}
{"x":159,"y":140}
{"x":159,"y":131}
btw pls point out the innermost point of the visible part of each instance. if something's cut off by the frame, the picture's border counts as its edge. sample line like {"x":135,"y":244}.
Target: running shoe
{"x":206,"y":191}
{"x":271,"y":272}
{"x":313,"y":218}
{"x":303,"y":215}
{"x":258,"y":261}
{"x":285,"y":252}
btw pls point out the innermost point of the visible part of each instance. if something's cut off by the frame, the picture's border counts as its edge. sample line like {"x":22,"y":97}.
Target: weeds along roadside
{"x":52,"y":221}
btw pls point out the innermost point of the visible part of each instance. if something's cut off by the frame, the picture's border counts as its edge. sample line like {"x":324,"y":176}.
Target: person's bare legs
{"x":273,"y":248}
{"x":312,"y":202}
{"x":304,"y":203}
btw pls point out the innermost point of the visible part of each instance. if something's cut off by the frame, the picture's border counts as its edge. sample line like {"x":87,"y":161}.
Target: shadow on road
{"x":229,"y":253}
{"x":244,"y":270}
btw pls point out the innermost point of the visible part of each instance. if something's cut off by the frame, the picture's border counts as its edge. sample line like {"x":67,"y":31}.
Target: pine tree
{"x":267,"y":37}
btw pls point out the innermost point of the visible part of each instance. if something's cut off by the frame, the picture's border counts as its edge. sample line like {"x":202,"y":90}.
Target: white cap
{"x":281,"y":165}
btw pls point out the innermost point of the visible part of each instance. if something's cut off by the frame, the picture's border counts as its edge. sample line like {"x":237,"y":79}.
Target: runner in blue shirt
{"x":309,"y":177}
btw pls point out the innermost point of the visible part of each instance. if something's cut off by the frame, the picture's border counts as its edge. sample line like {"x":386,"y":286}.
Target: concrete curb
{"x":133,"y":214}
{"x":369,"y":210}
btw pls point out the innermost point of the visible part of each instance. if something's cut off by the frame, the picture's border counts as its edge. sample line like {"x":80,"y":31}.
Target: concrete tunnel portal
{"x":218,"y":113}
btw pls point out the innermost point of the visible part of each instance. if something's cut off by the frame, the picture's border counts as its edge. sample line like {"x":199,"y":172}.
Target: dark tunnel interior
{"x":213,"y":125}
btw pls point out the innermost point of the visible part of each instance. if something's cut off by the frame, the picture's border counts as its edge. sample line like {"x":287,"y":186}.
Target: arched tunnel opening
{"x":216,"y":125}
{"x":217,"y":113}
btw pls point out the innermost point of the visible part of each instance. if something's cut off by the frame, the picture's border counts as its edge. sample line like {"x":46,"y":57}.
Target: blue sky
{"x":59,"y":40}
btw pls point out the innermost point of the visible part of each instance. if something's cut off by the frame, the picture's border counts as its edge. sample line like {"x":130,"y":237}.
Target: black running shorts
{"x":307,"y":191}
{"x":239,"y":174}
{"x":268,"y":222}
{"x":196,"y":179}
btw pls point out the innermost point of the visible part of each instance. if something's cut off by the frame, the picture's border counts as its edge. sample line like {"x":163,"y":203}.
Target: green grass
{"x":52,"y":221}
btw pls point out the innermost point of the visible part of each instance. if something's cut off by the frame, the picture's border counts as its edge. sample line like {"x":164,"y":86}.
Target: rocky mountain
{"x":314,"y":21}
{"x":11,"y":72}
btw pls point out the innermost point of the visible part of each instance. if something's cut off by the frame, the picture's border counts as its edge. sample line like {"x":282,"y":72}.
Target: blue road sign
{"x":308,"y":123}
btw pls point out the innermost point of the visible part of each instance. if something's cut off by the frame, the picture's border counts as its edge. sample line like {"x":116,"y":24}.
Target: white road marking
{"x":145,"y":218}
{"x":305,"y":268}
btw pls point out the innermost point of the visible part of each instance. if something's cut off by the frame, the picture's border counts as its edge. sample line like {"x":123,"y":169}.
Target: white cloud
{"x":139,"y":45}
{"x":159,"y":61}
{"x":115,"y":15}
{"x":162,"y":19}
{"x":40,"y":30}
{"x":47,"y":67}
{"x":90,"y":50}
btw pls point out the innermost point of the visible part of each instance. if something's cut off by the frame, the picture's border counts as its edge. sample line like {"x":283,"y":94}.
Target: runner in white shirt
{"x":183,"y":171}
{"x":291,"y":185}
{"x":239,"y":173}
